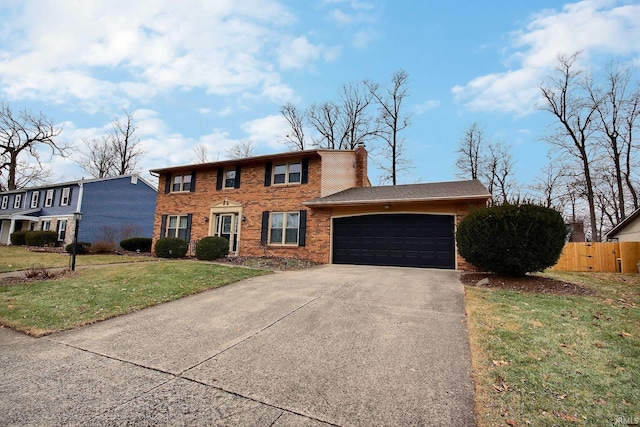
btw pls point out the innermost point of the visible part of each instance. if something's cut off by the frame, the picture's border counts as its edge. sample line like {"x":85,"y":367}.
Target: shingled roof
{"x":452,"y":190}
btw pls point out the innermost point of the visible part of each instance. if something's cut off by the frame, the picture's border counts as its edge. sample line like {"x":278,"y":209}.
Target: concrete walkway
{"x":331,"y":345}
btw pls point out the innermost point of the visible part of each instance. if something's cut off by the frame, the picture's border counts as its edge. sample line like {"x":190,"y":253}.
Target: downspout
{"x":80,"y":194}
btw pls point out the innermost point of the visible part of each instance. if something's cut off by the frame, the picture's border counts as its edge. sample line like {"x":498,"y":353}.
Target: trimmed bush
{"x":171,"y":247}
{"x":41,"y":238}
{"x":81,"y":249}
{"x":143,"y":244}
{"x":512,"y":240}
{"x":210,"y":248}
{"x":18,"y":238}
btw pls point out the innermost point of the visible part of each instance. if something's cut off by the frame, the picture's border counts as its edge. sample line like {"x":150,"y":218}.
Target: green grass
{"x":91,"y":295}
{"x":16,"y":258}
{"x":544,"y":360}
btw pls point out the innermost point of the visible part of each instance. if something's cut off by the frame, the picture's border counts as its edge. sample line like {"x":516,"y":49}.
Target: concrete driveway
{"x":332,"y":345}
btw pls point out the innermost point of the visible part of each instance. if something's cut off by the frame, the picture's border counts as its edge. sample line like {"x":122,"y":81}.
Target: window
{"x":230,"y":178}
{"x":62,"y":229}
{"x":48,"y":198}
{"x":5,"y":202}
{"x":181,"y":183}
{"x":34,"y":199}
{"x":284,"y":228}
{"x":46,"y":226}
{"x":65,"y":198}
{"x":287,"y":173}
{"x":17,"y":202}
{"x":178,"y":227}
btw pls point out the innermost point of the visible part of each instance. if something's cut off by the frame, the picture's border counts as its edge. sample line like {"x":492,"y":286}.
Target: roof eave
{"x":483,"y":198}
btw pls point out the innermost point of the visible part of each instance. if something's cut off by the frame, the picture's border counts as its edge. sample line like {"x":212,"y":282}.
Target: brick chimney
{"x":362,"y":158}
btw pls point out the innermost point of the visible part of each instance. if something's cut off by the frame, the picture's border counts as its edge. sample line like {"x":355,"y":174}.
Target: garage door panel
{"x":416,"y":240}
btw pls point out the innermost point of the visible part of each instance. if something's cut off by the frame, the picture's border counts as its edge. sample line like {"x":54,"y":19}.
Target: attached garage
{"x":404,"y":240}
{"x":403,"y":225}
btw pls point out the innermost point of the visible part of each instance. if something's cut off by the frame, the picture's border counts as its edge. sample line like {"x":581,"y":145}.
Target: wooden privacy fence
{"x":613,"y":257}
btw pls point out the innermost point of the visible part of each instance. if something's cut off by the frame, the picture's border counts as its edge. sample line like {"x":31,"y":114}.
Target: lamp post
{"x":77,"y":216}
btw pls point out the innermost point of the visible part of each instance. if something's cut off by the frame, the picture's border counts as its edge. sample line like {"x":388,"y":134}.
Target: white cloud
{"x":596,"y":27}
{"x":425,"y":106}
{"x":122,"y":49}
{"x":267,"y":131}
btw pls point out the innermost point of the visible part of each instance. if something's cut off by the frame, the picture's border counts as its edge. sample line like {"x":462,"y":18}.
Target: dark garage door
{"x":407,"y":240}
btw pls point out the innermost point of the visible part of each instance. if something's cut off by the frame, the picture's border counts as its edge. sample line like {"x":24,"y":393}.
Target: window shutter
{"x":167,"y":184}
{"x":267,"y":174}
{"x":264,"y":232}
{"x":163,"y":226}
{"x":219,"y":178}
{"x":305,"y":171}
{"x":70,"y":194}
{"x":236,"y":183}
{"x":189,"y":219}
{"x":60,"y":199}
{"x":302,"y":231}
{"x":193,"y":181}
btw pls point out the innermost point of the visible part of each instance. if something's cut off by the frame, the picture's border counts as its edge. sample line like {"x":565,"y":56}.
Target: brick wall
{"x":254,"y":197}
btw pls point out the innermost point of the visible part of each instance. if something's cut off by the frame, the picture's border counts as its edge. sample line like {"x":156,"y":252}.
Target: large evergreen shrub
{"x":41,"y":238}
{"x":512,"y":240}
{"x":212,"y":247}
{"x":18,"y":238}
{"x":171,"y":247}
{"x":143,"y":244}
{"x":82,"y":248}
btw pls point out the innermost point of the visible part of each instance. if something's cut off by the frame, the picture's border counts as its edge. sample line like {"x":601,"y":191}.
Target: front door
{"x":227,"y":227}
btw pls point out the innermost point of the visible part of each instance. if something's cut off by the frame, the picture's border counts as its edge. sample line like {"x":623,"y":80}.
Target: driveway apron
{"x":332,"y":345}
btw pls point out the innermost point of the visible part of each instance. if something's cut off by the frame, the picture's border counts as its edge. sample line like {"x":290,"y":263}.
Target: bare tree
{"x":126,"y":144}
{"x":392,"y":120}
{"x":295,"y":136}
{"x":355,"y":123}
{"x":616,"y":108}
{"x":98,"y":157}
{"x":113,"y":154}
{"x":202,"y":153}
{"x":242,"y":149}
{"x":471,"y":145}
{"x":563,"y":97}
{"x":23,"y":135}
{"x":497,"y":170}
{"x":324,"y":118}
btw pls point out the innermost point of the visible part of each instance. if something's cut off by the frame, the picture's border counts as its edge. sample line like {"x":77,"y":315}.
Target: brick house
{"x":317,"y":205}
{"x":112,"y":208}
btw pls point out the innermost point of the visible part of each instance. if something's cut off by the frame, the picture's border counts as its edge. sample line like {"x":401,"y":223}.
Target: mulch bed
{"x":528,"y":283}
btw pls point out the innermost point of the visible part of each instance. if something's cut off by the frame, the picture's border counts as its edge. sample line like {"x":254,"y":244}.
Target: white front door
{"x":227,"y":227}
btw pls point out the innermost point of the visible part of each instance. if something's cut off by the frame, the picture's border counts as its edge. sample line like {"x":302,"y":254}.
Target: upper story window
{"x":181,"y":183}
{"x":230,"y":178}
{"x":35,"y":196}
{"x":65,"y":198}
{"x":17,"y":201}
{"x":5,"y":202}
{"x":48,"y":198}
{"x":282,"y":173}
{"x":287,"y":173}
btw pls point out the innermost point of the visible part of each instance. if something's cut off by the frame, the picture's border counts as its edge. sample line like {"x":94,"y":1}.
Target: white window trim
{"x":48,"y":198}
{"x":178,"y":228}
{"x":286,"y":173}
{"x":65,"y":199}
{"x":35,"y":199}
{"x":46,"y":222}
{"x":182,"y":177}
{"x":17,"y":201}
{"x":5,"y":202}
{"x":284,"y":229}
{"x":233,"y":183}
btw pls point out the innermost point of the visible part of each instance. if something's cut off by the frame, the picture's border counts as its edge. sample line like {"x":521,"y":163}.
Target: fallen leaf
{"x":512,"y":423}
{"x":624,"y":334}
{"x":536,"y":324}
{"x":500,"y":362}
{"x":568,"y":417}
{"x":600,"y":401}
{"x":599,"y":344}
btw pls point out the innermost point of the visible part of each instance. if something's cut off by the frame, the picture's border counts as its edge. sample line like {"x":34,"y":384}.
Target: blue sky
{"x":217,"y":72}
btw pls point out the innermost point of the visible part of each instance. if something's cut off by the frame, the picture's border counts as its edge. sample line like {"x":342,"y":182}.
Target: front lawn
{"x":16,"y":258}
{"x":549,"y":359}
{"x":88,"y":296}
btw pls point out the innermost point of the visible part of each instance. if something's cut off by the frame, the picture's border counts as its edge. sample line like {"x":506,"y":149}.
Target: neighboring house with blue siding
{"x":112,"y":209}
